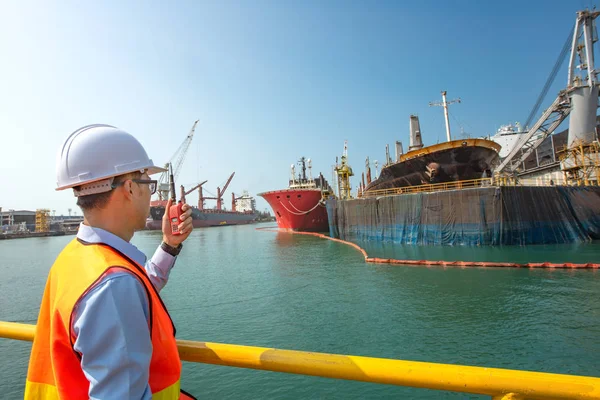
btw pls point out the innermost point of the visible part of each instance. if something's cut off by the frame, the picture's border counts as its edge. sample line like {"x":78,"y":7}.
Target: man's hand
{"x":185,"y":225}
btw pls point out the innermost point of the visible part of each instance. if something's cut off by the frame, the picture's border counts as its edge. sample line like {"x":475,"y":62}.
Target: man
{"x":103,"y":331}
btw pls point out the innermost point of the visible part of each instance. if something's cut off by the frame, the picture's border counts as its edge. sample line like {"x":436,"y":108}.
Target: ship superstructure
{"x":300,"y":206}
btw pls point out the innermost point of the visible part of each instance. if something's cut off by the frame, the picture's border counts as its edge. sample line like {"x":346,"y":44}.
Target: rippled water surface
{"x":243,"y":286}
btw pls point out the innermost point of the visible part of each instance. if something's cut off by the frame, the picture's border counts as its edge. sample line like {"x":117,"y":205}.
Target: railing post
{"x":509,"y":396}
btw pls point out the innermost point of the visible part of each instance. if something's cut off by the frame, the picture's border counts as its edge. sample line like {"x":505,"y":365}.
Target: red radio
{"x":175,"y":209}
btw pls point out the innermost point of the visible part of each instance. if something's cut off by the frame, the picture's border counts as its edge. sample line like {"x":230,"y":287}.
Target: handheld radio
{"x":175,"y":210}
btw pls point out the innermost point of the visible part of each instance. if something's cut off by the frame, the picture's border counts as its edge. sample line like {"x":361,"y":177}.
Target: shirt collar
{"x":94,"y":235}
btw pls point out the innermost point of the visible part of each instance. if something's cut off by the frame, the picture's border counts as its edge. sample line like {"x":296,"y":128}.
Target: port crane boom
{"x":582,"y":44}
{"x":545,"y":126}
{"x":177,"y":161}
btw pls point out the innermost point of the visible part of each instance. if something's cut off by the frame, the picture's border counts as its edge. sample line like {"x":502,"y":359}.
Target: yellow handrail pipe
{"x":497,"y":383}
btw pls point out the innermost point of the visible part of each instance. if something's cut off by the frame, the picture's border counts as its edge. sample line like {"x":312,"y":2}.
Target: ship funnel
{"x":388,"y":159}
{"x":399,"y":150}
{"x":415,"y":134}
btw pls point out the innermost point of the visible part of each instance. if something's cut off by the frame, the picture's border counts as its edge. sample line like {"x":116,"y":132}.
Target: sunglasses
{"x":152,"y":184}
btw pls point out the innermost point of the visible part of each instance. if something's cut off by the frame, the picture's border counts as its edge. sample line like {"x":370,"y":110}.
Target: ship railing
{"x":475,"y":183}
{"x":309,"y":185}
{"x":433,"y":187}
{"x":494,"y":382}
{"x":544,"y":181}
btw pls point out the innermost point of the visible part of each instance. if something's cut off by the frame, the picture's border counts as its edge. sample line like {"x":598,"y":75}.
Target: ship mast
{"x":302,"y":175}
{"x":445,"y":104}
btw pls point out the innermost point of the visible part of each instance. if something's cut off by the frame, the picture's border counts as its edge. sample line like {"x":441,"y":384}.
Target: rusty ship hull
{"x":457,"y":160}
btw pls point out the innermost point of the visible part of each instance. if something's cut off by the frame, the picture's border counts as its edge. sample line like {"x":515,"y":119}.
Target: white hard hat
{"x":93,"y":155}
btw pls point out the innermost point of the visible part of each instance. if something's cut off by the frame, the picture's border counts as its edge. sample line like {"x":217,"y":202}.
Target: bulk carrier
{"x":462,"y":192}
{"x":454,"y":160}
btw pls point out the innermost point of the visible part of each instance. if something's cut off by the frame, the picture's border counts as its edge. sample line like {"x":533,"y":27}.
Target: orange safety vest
{"x":54,"y":367}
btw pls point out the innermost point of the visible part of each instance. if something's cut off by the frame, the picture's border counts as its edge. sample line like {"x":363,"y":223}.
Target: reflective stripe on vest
{"x":54,"y":366}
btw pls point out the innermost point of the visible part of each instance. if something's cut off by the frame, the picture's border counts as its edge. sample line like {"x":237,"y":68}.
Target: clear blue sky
{"x":270,"y":81}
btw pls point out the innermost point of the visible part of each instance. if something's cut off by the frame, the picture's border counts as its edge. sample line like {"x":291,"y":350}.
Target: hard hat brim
{"x":156,"y":170}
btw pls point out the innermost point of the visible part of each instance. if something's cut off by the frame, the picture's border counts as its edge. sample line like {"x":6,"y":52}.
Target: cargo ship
{"x":415,"y":216}
{"x":301,"y":207}
{"x":201,"y":218}
{"x":454,"y":160}
{"x":243,"y":209}
{"x":499,"y":209}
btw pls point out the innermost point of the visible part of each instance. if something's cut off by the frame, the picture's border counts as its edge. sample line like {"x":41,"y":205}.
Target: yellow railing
{"x":474,"y":183}
{"x":494,"y":382}
{"x":434,"y":187}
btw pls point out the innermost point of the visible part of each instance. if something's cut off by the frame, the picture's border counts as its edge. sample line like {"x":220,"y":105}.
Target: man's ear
{"x":128,"y":189}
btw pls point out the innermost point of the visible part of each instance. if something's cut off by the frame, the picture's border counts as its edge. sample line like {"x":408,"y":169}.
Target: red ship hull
{"x":298,"y":209}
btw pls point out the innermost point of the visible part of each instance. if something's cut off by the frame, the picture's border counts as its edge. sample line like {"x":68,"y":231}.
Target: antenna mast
{"x":445,"y":104}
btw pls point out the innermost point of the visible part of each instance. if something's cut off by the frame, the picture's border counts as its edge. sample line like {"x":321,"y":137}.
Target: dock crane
{"x":344,"y":172}
{"x":220,"y":193}
{"x":544,"y":127}
{"x":177,"y":161}
{"x":580,"y":90}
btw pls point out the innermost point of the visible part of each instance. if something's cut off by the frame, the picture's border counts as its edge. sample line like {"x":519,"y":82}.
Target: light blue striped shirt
{"x":112,"y":323}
